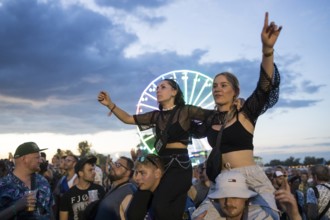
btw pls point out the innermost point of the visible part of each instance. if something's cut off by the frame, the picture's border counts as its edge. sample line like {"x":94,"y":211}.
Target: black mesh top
{"x":179,"y":128}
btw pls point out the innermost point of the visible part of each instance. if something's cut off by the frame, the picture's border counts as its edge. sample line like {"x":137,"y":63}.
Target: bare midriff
{"x":176,"y":145}
{"x":237,"y":159}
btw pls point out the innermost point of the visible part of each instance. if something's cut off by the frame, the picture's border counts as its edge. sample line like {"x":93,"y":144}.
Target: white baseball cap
{"x":230,"y":184}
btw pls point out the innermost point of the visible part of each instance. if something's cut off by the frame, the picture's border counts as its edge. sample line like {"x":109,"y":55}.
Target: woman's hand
{"x":269,"y":35}
{"x":104,"y":99}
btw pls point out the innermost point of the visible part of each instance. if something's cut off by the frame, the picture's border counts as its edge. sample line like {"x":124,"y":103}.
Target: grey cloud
{"x":310,"y":87}
{"x":55,"y":61}
{"x":132,"y":5}
{"x":291,"y":103}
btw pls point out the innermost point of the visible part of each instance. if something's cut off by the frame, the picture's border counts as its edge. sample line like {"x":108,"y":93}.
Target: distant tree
{"x":60,"y":152}
{"x":101,"y":159}
{"x":291,"y":161}
{"x":84,"y":148}
{"x":275,"y":162}
{"x":68,"y":152}
{"x":313,"y":161}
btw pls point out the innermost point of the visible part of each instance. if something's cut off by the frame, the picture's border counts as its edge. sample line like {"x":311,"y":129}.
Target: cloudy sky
{"x":56,"y":55}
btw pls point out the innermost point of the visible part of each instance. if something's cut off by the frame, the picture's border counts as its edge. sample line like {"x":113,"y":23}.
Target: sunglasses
{"x":117,"y":164}
{"x":149,"y":158}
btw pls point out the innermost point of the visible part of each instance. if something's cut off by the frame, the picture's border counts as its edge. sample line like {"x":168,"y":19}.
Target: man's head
{"x":56,"y":160}
{"x":27,"y":156}
{"x":304,"y":176}
{"x":320,"y":173}
{"x":231,"y":192}
{"x":62,"y":162}
{"x":70,"y":162}
{"x":279,"y":177}
{"x":122,"y":169}
{"x":85,"y":168}
{"x":202,"y":176}
{"x":149,"y":170}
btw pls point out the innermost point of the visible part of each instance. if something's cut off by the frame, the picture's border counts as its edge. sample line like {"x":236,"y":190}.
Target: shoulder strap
{"x":325,"y":186}
{"x":217,"y":145}
{"x":316,"y":192}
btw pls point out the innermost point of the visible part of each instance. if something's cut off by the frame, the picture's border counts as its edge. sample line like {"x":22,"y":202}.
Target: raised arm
{"x":270,"y":33}
{"x":288,"y":201}
{"x":105,"y":100}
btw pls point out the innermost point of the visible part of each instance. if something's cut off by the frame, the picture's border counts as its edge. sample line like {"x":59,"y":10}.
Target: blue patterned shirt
{"x":12,"y":189}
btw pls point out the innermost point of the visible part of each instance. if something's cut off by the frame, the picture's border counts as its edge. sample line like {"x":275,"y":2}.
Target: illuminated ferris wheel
{"x":196,"y":88}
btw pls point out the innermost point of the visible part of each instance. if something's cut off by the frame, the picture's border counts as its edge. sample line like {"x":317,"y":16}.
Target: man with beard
{"x":76,"y":199}
{"x":115,"y":202}
{"x":25,"y":194}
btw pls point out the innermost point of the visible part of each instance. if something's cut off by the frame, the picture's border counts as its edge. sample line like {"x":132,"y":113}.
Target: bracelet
{"x":268,"y":54}
{"x":111,"y":110}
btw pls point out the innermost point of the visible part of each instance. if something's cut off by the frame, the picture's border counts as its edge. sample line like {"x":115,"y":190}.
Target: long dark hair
{"x":179,"y":99}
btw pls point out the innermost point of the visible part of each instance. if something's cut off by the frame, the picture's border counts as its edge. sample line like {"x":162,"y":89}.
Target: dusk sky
{"x":56,"y":55}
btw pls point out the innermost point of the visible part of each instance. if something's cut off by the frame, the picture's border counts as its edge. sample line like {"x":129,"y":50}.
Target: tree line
{"x":291,"y":161}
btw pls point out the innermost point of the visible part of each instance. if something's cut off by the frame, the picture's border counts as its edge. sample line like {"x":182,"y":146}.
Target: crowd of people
{"x":68,"y":189}
{"x":161,"y":186}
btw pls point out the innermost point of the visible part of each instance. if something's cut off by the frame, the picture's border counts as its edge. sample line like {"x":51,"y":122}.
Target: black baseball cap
{"x":82,"y":161}
{"x":27,"y":148}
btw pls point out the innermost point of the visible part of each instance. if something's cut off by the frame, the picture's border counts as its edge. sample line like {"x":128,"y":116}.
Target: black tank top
{"x":229,"y":140}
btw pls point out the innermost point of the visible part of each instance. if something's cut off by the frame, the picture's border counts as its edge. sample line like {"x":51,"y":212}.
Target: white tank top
{"x":71,"y":181}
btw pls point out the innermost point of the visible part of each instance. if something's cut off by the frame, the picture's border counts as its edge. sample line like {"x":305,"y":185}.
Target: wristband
{"x":268,"y":54}
{"x":111,"y":110}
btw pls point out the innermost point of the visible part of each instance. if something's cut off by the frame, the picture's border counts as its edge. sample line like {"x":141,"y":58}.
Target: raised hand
{"x":270,"y":33}
{"x":104,"y":98}
{"x":288,"y":201}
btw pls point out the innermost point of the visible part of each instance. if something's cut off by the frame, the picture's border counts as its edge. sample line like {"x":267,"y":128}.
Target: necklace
{"x":222,"y":117}
{"x":170,"y":108}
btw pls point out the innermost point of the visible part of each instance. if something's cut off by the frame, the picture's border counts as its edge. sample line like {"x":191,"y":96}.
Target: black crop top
{"x":235,"y":137}
{"x":229,"y":140}
{"x":179,"y":129}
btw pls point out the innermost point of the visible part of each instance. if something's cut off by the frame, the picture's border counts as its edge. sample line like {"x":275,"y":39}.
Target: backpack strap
{"x":316,"y":192}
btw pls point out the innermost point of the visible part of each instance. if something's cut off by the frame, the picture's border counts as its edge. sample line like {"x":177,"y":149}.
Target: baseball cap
{"x":278,"y":173}
{"x":27,"y":148}
{"x":82,"y":161}
{"x":230,"y":184}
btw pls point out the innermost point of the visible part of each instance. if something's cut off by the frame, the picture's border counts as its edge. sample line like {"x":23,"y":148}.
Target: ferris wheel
{"x":196,"y":88}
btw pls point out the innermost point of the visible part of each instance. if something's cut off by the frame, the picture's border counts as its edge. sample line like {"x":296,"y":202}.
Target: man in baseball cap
{"x":15,"y":202}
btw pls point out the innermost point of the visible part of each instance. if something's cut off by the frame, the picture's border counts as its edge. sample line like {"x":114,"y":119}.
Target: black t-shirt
{"x":76,"y":200}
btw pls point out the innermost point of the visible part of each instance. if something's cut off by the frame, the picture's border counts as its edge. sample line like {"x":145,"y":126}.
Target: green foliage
{"x":291,"y":161}
{"x":84,"y":148}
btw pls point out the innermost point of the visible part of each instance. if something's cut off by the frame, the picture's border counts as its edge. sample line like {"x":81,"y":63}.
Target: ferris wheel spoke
{"x":201,"y":92}
{"x":148,"y":106}
{"x":201,"y":103}
{"x":193,"y":88}
{"x":151,"y":96}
